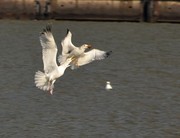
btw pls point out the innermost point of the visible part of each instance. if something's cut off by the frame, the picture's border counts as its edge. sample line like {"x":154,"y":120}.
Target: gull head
{"x":85,"y":46}
{"x":107,"y":82}
{"x":108,"y":85}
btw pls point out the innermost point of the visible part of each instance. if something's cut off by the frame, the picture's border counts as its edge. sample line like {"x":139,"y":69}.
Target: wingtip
{"x":49,"y":27}
{"x":44,"y":30}
{"x":108,"y":53}
{"x":68,"y":31}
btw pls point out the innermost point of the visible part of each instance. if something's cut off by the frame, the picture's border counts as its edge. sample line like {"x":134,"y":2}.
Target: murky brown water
{"x":144,"y":70}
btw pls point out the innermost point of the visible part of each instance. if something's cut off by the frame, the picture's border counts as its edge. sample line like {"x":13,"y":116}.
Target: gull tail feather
{"x":41,"y":80}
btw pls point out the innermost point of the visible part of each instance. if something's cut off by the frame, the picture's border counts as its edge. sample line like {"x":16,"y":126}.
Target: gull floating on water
{"x":45,"y":81}
{"x":108,"y":85}
{"x":80,"y":56}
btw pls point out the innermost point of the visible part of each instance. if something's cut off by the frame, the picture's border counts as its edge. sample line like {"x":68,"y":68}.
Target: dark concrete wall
{"x":163,"y":11}
{"x":99,"y":9}
{"x":121,"y":10}
{"x":16,"y":9}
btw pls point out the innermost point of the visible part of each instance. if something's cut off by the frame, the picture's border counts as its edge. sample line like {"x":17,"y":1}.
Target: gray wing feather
{"x":66,"y":43}
{"x":49,"y":49}
{"x":92,"y":55}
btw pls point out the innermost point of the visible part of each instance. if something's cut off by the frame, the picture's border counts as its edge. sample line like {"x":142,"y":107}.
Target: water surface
{"x":144,"y":70}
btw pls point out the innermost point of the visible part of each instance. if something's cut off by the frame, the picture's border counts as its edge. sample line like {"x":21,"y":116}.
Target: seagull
{"x":69,"y":50}
{"x":108,"y":85}
{"x":80,"y":56}
{"x":45,"y":80}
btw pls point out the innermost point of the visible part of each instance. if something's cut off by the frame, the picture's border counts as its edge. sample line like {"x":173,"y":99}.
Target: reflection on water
{"x":144,"y":70}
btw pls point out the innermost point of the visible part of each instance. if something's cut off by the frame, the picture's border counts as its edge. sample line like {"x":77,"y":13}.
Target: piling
{"x":164,"y":11}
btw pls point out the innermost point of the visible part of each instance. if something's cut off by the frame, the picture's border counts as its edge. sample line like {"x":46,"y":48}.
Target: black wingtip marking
{"x":49,"y":27}
{"x":68,"y":30}
{"x":108,"y":53}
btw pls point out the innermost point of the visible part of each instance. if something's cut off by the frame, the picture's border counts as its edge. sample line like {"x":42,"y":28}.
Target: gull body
{"x":69,"y":49}
{"x":108,"y":85}
{"x":45,"y":80}
{"x":80,"y":56}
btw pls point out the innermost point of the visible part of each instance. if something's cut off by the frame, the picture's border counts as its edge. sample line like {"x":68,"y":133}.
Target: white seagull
{"x":52,"y":71}
{"x":108,"y":86}
{"x":80,"y":56}
{"x":68,"y":49}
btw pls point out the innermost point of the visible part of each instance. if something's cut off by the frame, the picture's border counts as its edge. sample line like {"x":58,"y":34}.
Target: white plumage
{"x":108,"y":85}
{"x":80,"y":56}
{"x":69,"y":50}
{"x":52,"y":71}
{"x":71,"y":56}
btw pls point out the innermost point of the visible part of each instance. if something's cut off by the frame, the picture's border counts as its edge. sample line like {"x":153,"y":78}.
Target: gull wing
{"x":92,"y":55}
{"x":66,"y":43}
{"x":49,"y":49}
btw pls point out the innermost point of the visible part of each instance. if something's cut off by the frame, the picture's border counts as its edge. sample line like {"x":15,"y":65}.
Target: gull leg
{"x":51,"y":91}
{"x":51,"y":86}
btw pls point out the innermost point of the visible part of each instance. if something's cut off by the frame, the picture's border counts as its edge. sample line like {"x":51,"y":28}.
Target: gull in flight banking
{"x":45,"y":80}
{"x":80,"y":57}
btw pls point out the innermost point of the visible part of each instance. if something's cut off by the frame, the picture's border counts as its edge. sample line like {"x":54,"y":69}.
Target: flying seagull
{"x":69,"y":49}
{"x":80,"y":56}
{"x":45,"y":80}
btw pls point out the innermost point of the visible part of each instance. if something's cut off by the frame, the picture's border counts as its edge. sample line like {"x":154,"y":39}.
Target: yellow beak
{"x":89,"y":46}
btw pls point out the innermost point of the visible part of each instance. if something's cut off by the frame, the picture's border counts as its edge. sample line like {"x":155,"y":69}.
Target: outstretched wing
{"x":92,"y":55}
{"x":66,"y":43}
{"x":49,"y":49}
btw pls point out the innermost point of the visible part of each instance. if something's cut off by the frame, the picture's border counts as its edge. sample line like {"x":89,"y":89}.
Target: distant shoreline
{"x":106,"y":10}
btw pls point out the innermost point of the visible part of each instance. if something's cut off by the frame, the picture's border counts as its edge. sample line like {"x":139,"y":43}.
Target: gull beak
{"x":89,"y":46}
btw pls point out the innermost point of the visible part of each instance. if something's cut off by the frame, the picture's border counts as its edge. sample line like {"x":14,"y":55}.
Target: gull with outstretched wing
{"x":45,"y":80}
{"x":80,"y":57}
{"x":70,"y":50}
